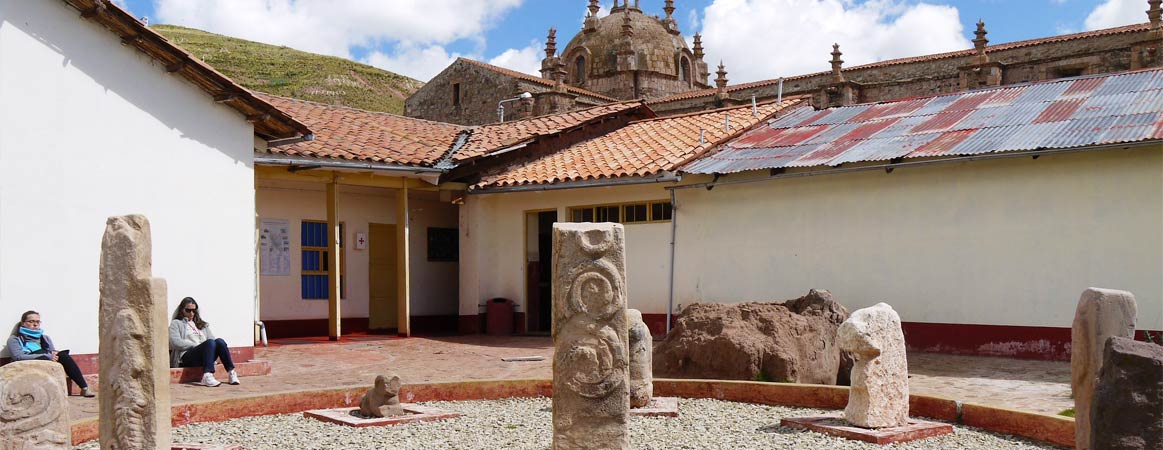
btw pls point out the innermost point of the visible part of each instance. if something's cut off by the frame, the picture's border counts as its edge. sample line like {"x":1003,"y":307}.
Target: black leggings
{"x":72,"y":370}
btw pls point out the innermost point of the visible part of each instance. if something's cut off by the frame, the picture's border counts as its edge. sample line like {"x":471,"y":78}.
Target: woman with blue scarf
{"x":29,"y":342}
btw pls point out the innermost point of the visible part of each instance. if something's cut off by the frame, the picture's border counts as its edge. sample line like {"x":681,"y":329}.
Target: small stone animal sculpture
{"x":382,"y":400}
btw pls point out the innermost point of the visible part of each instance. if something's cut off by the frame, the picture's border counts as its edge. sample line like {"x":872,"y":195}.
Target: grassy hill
{"x":288,"y":72}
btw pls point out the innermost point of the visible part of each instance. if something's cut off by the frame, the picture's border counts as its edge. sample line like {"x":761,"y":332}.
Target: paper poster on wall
{"x":275,"y":247}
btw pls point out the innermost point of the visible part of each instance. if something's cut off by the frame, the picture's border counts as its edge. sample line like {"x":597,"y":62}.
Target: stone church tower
{"x":627,"y":55}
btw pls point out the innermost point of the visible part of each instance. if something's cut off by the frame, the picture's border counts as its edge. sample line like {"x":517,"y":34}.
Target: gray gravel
{"x":525,"y":424}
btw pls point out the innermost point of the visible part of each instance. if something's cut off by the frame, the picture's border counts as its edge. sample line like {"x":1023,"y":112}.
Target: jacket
{"x":16,"y":349}
{"x":181,"y":340}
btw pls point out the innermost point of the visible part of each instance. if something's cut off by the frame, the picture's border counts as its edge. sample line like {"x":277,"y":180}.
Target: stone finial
{"x":35,"y":412}
{"x":1128,"y":397}
{"x":980,"y":41}
{"x":594,"y":7}
{"x":699,"y":46}
{"x":669,"y":8}
{"x":721,"y":80}
{"x":1155,"y":14}
{"x":559,"y":74}
{"x":1101,"y":314}
{"x":837,"y":64}
{"x":641,"y":360}
{"x":627,"y":26}
{"x":134,"y":351}
{"x":879,"y":396}
{"x":551,"y":43}
{"x":591,"y":366}
{"x":383,"y":399}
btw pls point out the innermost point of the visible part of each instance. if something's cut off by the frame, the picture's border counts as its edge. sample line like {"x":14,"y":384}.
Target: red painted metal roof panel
{"x":1073,"y":112}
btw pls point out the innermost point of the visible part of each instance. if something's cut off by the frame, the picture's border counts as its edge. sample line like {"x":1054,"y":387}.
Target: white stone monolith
{"x":1101,"y":314}
{"x":34,"y":410}
{"x":134,"y":352}
{"x":879,"y":396}
{"x":591,"y":374}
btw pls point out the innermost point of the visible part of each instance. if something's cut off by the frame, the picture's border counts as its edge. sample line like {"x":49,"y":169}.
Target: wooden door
{"x":382,"y":266}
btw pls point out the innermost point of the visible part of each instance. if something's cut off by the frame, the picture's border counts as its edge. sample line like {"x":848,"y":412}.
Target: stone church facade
{"x":631,"y":55}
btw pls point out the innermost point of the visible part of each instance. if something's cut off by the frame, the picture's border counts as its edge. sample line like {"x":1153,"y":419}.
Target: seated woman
{"x":29,"y":342}
{"x":193,"y":345}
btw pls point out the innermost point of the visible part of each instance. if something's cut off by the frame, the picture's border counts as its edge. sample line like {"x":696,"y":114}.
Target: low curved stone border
{"x":1056,"y":430}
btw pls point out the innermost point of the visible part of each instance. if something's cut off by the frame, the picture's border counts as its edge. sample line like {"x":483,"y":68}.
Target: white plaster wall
{"x":495,"y":236}
{"x":1004,"y":242}
{"x":91,"y":129}
{"x":434,"y":286}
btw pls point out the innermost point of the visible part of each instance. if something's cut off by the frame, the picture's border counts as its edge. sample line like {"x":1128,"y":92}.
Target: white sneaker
{"x":234,"y":378}
{"x":208,"y":380}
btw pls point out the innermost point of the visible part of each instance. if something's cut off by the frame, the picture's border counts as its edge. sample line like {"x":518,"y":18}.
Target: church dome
{"x":603,"y":47}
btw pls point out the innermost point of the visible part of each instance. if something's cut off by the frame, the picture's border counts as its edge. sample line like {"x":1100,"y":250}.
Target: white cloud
{"x":692,"y":19}
{"x":526,"y":59}
{"x":794,"y":37}
{"x":415,"y":30}
{"x":1115,"y":13}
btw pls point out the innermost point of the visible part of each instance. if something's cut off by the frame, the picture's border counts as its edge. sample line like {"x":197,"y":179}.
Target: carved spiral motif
{"x":29,"y":406}
{"x":595,"y":290}
{"x":595,"y":361}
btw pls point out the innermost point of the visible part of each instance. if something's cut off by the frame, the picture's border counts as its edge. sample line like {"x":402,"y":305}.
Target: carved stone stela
{"x":34,"y":413}
{"x":591,"y":374}
{"x":641,"y":360}
{"x":134,"y":352}
{"x":879,"y":396}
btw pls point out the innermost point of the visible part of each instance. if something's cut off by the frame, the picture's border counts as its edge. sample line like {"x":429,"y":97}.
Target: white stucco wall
{"x":1004,"y":242}
{"x":434,"y":284}
{"x":91,"y":129}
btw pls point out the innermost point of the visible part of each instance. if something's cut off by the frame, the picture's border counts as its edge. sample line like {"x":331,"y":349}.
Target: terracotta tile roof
{"x":642,"y":148}
{"x":268,"y":121}
{"x":488,"y":138}
{"x":538,"y":80}
{"x":357,"y":135}
{"x":914,"y":59}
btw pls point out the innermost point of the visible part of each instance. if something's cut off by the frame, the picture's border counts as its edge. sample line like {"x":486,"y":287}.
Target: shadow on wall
{"x":57,"y":30}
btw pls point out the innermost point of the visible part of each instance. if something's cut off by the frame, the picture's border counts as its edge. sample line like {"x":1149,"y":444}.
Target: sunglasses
{"x":191,"y":310}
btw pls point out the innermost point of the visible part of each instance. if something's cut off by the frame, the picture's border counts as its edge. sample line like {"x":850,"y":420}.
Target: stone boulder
{"x":1127,"y":408}
{"x":793,"y":341}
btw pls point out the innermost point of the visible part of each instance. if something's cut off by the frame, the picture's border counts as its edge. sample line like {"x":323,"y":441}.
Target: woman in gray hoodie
{"x":193,"y":345}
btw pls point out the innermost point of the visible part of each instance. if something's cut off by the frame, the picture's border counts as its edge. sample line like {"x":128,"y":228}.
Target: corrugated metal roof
{"x":1066,"y":113}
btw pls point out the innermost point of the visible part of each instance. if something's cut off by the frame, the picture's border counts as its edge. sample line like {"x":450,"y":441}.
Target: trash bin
{"x":499,"y":313}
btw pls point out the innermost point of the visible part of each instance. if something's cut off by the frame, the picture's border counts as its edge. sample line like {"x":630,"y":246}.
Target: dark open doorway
{"x":539,"y":269}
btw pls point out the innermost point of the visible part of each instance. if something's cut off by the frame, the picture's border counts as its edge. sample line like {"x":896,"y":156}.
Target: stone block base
{"x":658,"y":407}
{"x":915,"y":430}
{"x":414,"y":413}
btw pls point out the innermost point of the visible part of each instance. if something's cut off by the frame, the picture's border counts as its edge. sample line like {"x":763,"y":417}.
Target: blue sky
{"x":419,"y":37}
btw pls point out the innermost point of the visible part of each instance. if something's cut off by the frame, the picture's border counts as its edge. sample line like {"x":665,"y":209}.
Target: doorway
{"x":539,"y":269}
{"x":382,"y":267}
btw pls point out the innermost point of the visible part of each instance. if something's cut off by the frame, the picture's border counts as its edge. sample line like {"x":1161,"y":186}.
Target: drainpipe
{"x":673,"y":237}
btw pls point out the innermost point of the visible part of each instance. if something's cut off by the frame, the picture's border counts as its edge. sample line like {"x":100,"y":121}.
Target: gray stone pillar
{"x":34,"y":412}
{"x":134,"y":352}
{"x":879,"y":396}
{"x":591,"y":394}
{"x":1101,"y":314}
{"x":1127,"y":410}
{"x":641,"y":360}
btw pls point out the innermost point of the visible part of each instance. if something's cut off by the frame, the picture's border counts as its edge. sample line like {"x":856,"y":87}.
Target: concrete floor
{"x":308,"y":364}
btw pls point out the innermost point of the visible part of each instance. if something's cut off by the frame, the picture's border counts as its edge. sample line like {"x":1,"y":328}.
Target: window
{"x":643,"y":212}
{"x":314,"y":246}
{"x":684,"y":71}
{"x":455,"y":95}
{"x":579,"y":69}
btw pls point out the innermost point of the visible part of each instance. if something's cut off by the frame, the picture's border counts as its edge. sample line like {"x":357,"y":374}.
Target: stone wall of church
{"x":479,"y":90}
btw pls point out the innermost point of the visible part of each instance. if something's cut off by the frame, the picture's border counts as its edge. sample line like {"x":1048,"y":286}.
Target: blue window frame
{"x":315,"y":245}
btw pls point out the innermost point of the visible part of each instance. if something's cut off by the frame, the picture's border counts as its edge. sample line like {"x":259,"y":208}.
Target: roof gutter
{"x":667,"y":177}
{"x":891,"y":167}
{"x":319,"y":163}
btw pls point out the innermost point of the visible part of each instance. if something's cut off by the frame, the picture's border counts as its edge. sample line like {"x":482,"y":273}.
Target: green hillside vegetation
{"x":287,"y":72}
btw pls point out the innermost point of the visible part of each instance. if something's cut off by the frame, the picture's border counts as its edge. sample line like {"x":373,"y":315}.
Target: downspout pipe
{"x":673,"y":238}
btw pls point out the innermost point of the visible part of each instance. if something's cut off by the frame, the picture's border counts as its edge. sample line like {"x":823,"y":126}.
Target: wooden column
{"x":403,"y":268}
{"x":333,"y":309}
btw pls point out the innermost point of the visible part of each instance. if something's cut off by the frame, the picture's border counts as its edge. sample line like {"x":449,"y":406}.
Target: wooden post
{"x":333,"y":308}
{"x":403,"y":287}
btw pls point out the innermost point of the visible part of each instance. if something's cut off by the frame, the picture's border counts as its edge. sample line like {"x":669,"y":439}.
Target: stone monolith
{"x":591,"y":373}
{"x":383,"y":399}
{"x":879,"y":396}
{"x":1127,"y":411}
{"x":34,"y":411}
{"x":134,"y":353}
{"x":641,"y":360}
{"x":1101,"y":314}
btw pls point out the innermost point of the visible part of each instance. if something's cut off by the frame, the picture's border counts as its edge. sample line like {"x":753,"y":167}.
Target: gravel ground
{"x":525,"y":424}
